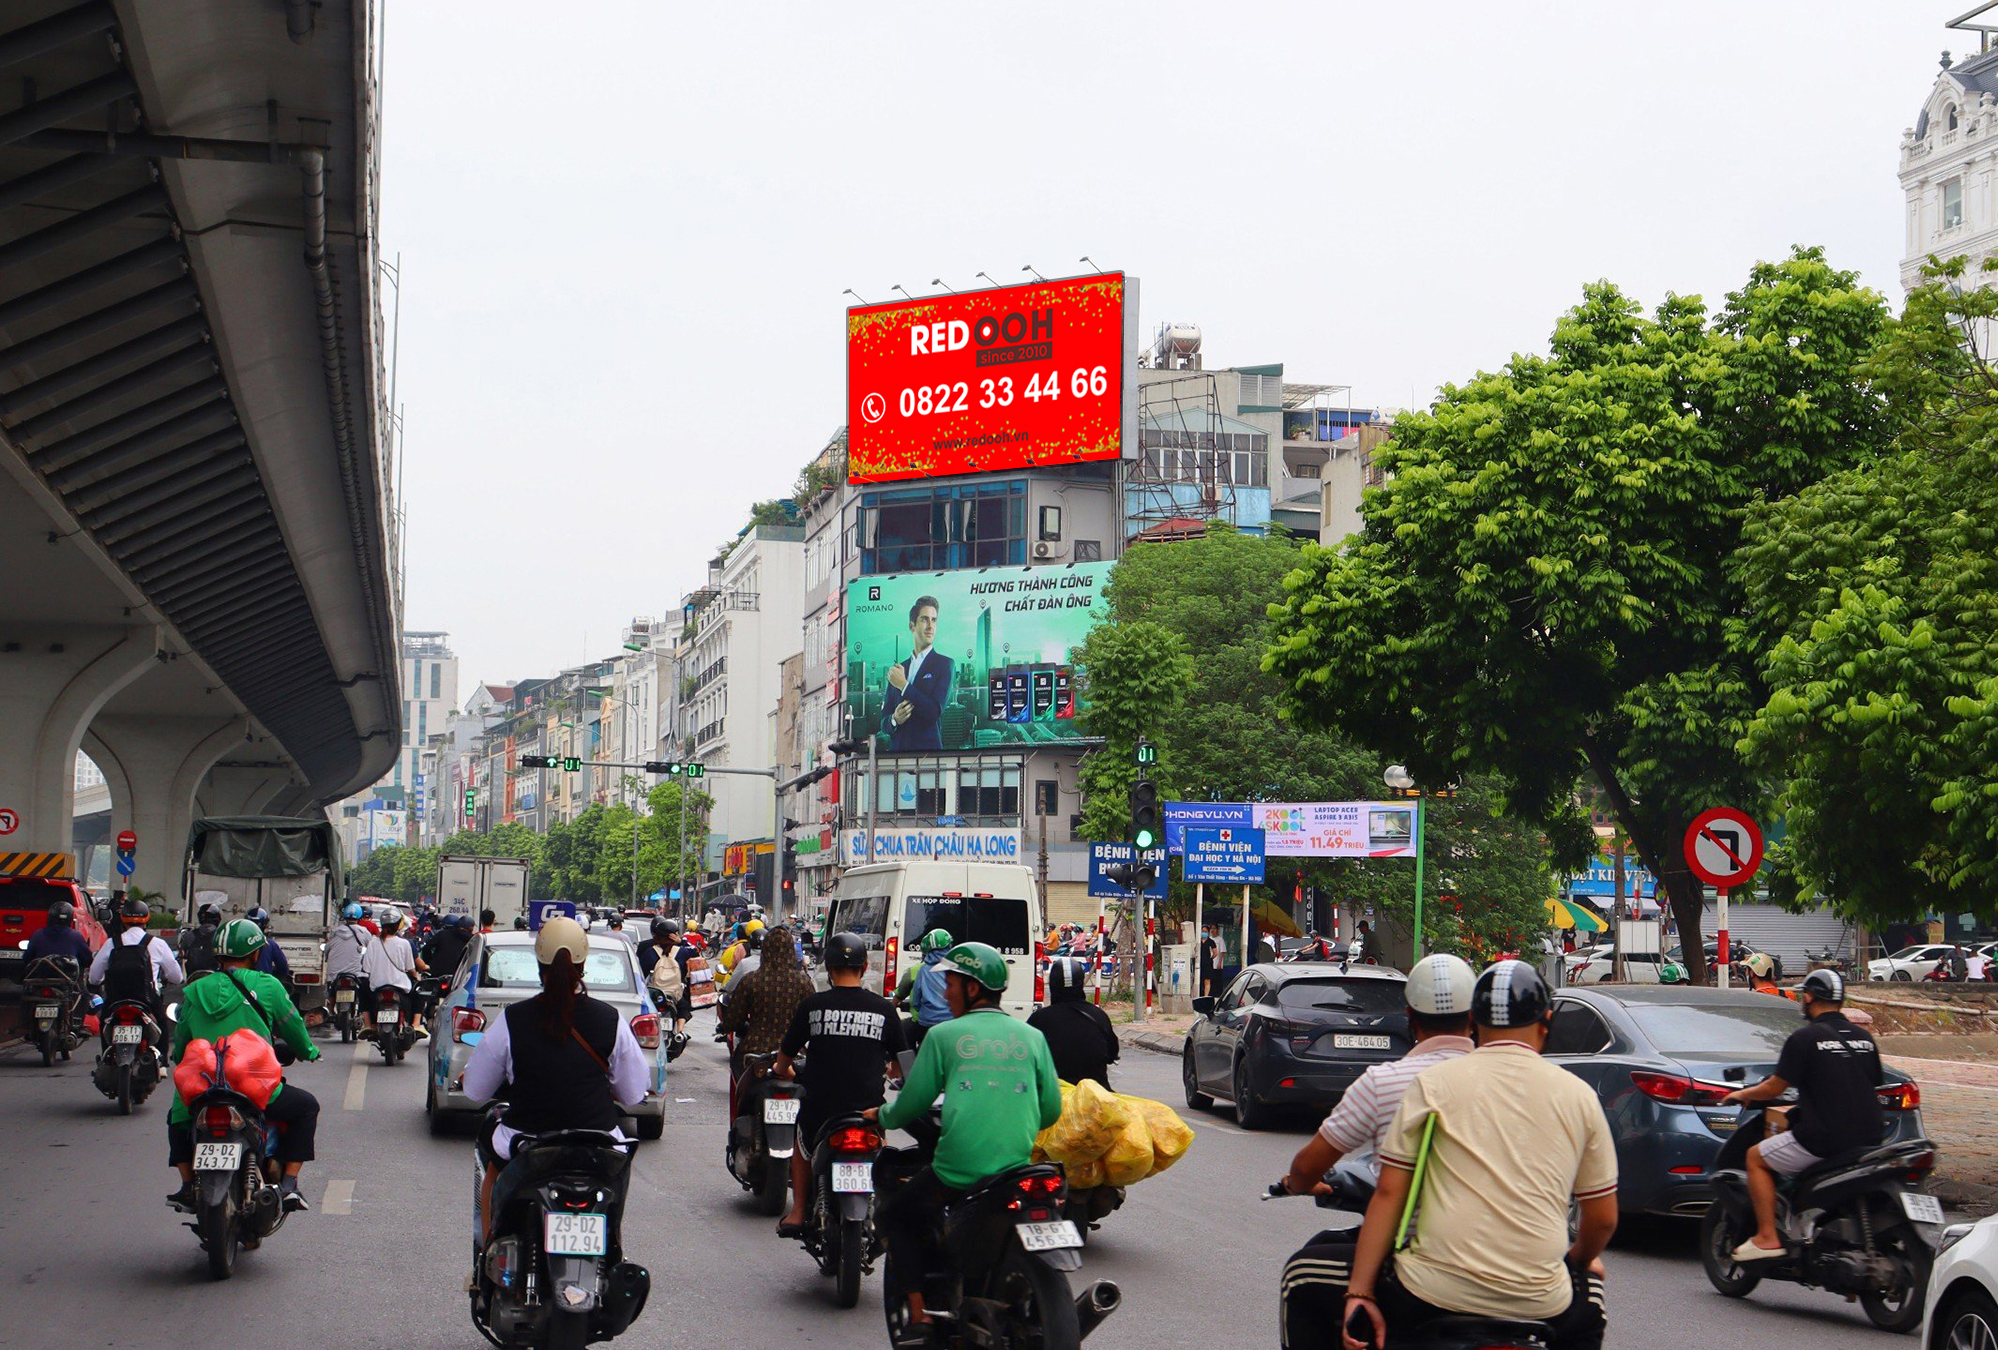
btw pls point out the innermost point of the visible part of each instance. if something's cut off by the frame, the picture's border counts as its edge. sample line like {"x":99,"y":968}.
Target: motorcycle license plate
{"x":343,"y":996}
{"x":218,"y":1157}
{"x":575,"y":1234}
{"x":1921,"y":1208}
{"x":127,"y":1035}
{"x":781,"y":1110}
{"x":1360,"y":1042}
{"x":47,"y":1011}
{"x":853,"y":1178}
{"x":388,"y":1019}
{"x":1048,"y":1237}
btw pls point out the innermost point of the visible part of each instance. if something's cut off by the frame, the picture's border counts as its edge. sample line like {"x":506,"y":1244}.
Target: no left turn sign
{"x":1724,"y":847}
{"x":9,"y":821}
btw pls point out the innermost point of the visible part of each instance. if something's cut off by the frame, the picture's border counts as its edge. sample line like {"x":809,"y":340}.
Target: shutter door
{"x":1785,"y":935}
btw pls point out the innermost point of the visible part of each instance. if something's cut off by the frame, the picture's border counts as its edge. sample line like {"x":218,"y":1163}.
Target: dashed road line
{"x":357,"y":1080}
{"x":339,"y":1198}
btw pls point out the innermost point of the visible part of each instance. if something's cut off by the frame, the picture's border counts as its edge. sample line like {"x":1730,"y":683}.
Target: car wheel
{"x":1902,"y":976}
{"x":1968,"y":1322}
{"x":1250,"y":1114}
{"x":1196,"y":1100}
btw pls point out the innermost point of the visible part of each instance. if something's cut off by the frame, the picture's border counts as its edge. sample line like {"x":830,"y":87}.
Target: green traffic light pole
{"x":1401,"y":780}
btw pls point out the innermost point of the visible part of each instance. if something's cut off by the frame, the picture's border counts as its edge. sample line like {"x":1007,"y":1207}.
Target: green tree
{"x":1222,"y":739}
{"x":415,"y":875}
{"x":1544,"y":588}
{"x":375,"y":874}
{"x":1137,"y":676}
{"x":1874,"y":599}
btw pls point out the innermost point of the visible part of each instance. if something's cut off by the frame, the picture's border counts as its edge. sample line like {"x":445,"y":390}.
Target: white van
{"x":891,"y":906}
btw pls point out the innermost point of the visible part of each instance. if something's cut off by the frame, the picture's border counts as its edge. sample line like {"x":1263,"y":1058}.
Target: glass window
{"x":436,"y":678}
{"x":998,"y":921}
{"x":1357,"y":996}
{"x":514,"y":967}
{"x":1701,"y":1032}
{"x":865,"y":915}
{"x":1952,"y":203}
{"x":1576,"y":1030}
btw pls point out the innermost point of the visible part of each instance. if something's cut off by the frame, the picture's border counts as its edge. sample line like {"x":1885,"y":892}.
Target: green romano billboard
{"x":967,"y":660}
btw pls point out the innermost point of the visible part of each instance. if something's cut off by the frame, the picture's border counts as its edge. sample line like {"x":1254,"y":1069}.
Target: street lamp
{"x":1401,"y":780}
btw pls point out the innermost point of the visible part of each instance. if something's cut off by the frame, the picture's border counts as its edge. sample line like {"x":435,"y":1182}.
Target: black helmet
{"x":520,"y":922}
{"x":260,"y":916}
{"x":1825,"y":986}
{"x":1065,"y":975}
{"x":62,"y":914}
{"x":845,"y":951}
{"x":1509,"y":994}
{"x":134,"y":910}
{"x":208,"y":914}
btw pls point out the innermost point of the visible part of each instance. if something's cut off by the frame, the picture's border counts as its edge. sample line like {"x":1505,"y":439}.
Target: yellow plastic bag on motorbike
{"x":1084,"y":1176}
{"x":1129,"y":1159}
{"x":1171,"y":1136}
{"x":1091,"y":1121}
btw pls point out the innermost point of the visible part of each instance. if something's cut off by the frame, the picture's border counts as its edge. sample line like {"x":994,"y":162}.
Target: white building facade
{"x":1949,"y":170}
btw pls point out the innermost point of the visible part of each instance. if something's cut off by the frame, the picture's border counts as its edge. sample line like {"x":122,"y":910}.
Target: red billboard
{"x":1008,"y":378}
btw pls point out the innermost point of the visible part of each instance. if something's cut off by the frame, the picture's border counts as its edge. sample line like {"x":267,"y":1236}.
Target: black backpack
{"x":128,"y":975}
{"x":197,"y":951}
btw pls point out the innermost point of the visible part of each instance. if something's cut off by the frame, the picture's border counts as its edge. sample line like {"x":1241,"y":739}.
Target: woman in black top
{"x":1078,"y":1033}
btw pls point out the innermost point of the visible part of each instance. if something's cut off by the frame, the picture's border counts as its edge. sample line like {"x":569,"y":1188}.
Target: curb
{"x":1157,"y":1042}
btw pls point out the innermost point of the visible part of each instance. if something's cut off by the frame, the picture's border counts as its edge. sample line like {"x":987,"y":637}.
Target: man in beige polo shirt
{"x":1514,"y":1139}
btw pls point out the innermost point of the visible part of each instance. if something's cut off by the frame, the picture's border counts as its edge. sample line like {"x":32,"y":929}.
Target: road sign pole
{"x":1096,"y":956}
{"x":1720,"y":944}
{"x":1199,"y":933}
{"x":1246,"y":963}
{"x":1421,"y":813}
{"x":1151,"y":945}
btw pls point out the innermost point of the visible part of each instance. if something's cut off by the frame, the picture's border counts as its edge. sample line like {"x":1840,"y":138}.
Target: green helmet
{"x":239,"y":938}
{"x":937,"y":940}
{"x":977,"y":961}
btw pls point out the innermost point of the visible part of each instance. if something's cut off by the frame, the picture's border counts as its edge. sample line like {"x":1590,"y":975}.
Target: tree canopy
{"x":1874,"y":600}
{"x":1543,"y":587}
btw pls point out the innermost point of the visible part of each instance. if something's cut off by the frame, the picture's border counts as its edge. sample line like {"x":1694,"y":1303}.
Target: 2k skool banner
{"x":1305,"y":829}
{"x":1006,"y":378}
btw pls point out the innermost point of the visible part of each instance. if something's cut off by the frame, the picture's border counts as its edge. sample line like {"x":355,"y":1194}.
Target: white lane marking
{"x":339,"y":1198}
{"x":357,"y":1081}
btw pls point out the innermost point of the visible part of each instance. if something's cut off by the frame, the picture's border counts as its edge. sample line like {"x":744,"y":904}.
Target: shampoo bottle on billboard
{"x":1043,"y":693}
{"x":1018,"y":698}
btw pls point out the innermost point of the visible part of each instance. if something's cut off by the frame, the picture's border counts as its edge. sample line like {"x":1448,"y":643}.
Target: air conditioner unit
{"x":1044,"y":549}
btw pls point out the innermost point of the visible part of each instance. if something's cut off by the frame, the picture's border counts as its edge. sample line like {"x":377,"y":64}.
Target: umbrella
{"x":1274,"y":918}
{"x":1568,"y":914}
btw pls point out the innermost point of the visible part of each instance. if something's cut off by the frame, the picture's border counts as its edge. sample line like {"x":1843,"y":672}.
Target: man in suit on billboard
{"x":918,"y":687}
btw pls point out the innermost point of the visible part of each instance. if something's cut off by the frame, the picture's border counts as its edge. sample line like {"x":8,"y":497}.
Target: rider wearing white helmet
{"x":1438,"y":993}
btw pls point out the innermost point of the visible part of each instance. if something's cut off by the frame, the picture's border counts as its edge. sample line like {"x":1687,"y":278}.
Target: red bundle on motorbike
{"x":241,"y":1061}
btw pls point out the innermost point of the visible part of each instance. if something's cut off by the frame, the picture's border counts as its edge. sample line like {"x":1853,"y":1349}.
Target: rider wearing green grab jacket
{"x":236,"y":997}
{"x":999,"y":1091}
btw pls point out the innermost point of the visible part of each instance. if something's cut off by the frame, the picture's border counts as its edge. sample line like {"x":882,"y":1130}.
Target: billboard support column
{"x":1199,"y":900}
{"x":873,"y":790}
{"x":1246,"y":962}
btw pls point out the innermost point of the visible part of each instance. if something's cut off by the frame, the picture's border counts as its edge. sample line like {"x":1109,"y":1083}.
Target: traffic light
{"x":675,"y":768}
{"x":1145,"y":813}
{"x":537,"y":761}
{"x":471,"y":797}
{"x":1148,"y":753}
{"x":572,"y":764}
{"x":1132,"y":876}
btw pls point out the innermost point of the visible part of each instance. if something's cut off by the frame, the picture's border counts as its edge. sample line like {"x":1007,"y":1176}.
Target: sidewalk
{"x":1959,"y":1112}
{"x":1161,"y":1033}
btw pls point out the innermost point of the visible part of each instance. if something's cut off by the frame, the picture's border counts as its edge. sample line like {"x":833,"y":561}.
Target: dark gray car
{"x":1660,"y":1057}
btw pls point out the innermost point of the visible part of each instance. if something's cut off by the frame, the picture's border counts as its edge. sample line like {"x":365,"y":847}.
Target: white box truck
{"x":469,"y":885}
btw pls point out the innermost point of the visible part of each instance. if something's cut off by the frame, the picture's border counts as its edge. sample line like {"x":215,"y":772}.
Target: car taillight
{"x":1901,"y":1096}
{"x":1670,"y":1087}
{"x":465,"y":1021}
{"x":854,"y":1139}
{"x":645,"y":1030}
{"x":1040,"y":972}
{"x":888,"y":955}
{"x":219,"y":1120}
{"x":1044,"y":1185}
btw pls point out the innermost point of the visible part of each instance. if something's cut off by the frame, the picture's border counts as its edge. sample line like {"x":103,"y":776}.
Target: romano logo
{"x":1001,"y":339}
{"x":873,"y":592}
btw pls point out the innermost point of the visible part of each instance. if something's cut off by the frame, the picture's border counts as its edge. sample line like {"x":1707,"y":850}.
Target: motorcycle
{"x":54,"y":997}
{"x":236,"y":1207}
{"x":1007,"y":1249}
{"x":1352,"y":1190}
{"x":554,"y":1273}
{"x":1855,"y":1224}
{"x":839,"y":1222}
{"x":394,"y":1019}
{"x":128,"y":1067}
{"x":764,"y":1134}
{"x":348,"y":992}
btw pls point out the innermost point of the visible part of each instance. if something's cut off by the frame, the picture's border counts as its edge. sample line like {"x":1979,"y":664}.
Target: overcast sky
{"x":625,"y":232}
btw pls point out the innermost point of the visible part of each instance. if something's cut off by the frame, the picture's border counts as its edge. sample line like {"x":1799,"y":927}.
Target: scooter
{"x":348,"y":991}
{"x":764,"y":1133}
{"x":1352,"y":1190}
{"x":1007,"y":1250}
{"x":1855,"y":1224}
{"x":554,"y":1273}
{"x":394,"y":1023}
{"x":236,"y":1206}
{"x":54,"y":995}
{"x":128,"y":1066}
{"x":839,"y":1221}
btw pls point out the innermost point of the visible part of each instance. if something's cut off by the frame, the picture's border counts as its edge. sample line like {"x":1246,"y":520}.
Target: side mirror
{"x":1204,"y":1006}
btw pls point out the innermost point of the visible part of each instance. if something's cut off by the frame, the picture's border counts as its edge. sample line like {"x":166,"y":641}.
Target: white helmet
{"x":1440,"y":986}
